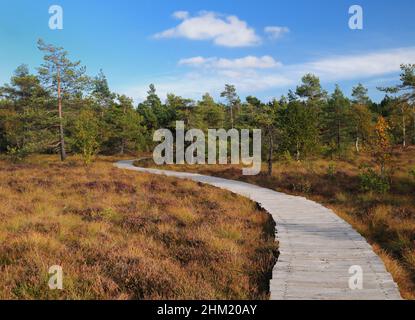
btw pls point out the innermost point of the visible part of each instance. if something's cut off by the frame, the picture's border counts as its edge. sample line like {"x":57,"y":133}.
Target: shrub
{"x":370,"y":181}
{"x":17,"y":154}
{"x":86,"y":135}
{"x":412,"y":173}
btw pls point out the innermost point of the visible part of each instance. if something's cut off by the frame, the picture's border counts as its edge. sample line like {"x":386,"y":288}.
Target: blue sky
{"x":192,"y":47}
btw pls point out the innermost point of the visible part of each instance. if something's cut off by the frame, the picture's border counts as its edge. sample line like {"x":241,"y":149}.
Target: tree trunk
{"x":232,"y":116}
{"x":413,"y":119}
{"x":403,"y":129}
{"x":298,"y":152}
{"x":61,"y":130}
{"x":271,"y":147}
{"x":357,"y":144}
{"x":338,"y":135}
{"x":122,"y":147}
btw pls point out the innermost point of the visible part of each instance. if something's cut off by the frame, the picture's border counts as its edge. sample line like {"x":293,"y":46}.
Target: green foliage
{"x":359,"y":95}
{"x":72,"y":75}
{"x":212,"y":114}
{"x":370,"y":181}
{"x":299,"y":129}
{"x":233,"y":102}
{"x":310,"y":88}
{"x":361,"y":125}
{"x":26,"y":131}
{"x":304,"y":123}
{"x":124,"y":127}
{"x":101,"y":91}
{"x":412,"y":173}
{"x":86,"y":135}
{"x":17,"y":154}
{"x":336,"y":122}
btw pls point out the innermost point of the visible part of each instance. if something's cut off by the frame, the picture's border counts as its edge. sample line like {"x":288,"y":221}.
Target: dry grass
{"x":121,"y":235}
{"x":386,"y":221}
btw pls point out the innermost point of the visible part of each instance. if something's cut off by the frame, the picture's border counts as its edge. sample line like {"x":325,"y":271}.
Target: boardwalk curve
{"x":317,"y":248}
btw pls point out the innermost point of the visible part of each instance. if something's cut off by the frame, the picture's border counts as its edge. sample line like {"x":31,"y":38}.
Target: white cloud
{"x":195,"y":61}
{"x":275,"y":32}
{"x":359,"y":65}
{"x":181,"y":15}
{"x":248,"y":62}
{"x":265,"y":62}
{"x":227,"y":31}
{"x":210,"y":75}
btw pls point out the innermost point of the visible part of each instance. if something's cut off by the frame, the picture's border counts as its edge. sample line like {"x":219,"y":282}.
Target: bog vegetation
{"x":123,"y":236}
{"x":358,"y":142}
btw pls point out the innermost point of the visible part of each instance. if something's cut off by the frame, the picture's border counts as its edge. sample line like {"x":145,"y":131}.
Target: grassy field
{"x":387,"y":221}
{"x":123,"y":235}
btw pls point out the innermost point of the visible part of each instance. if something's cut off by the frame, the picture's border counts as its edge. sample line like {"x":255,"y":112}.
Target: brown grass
{"x":386,"y":221}
{"x":123,"y":235}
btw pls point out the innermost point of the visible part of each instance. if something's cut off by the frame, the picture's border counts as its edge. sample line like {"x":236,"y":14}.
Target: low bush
{"x":370,"y":181}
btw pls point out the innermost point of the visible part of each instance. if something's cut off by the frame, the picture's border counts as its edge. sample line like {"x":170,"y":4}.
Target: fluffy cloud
{"x":227,"y":31}
{"x":249,"y":62}
{"x":275,"y":32}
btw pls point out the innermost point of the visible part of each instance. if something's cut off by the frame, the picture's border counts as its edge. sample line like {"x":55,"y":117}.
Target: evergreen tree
{"x":406,"y":101}
{"x":310,"y":89}
{"x":359,"y":95}
{"x":233,"y":101}
{"x":125,"y":128}
{"x":101,"y":91}
{"x":299,"y":129}
{"x":62,"y":78}
{"x":212,"y":114}
{"x":25,"y":122}
{"x":337,"y":120}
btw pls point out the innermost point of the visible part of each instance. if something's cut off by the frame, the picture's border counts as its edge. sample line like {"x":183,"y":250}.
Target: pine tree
{"x":25,"y":121}
{"x":337,"y":120}
{"x":233,"y":101}
{"x":62,"y":78}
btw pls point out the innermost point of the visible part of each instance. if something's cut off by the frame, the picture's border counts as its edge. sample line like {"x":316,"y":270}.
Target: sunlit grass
{"x":125,"y":235}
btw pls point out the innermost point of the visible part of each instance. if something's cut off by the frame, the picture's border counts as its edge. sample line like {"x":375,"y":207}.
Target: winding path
{"x":317,"y":248}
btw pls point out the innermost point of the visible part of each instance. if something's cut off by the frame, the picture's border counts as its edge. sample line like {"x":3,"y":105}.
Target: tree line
{"x":61,"y":109}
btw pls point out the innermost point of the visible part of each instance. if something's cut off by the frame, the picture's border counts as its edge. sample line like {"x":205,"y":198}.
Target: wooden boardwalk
{"x":317,"y":248}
